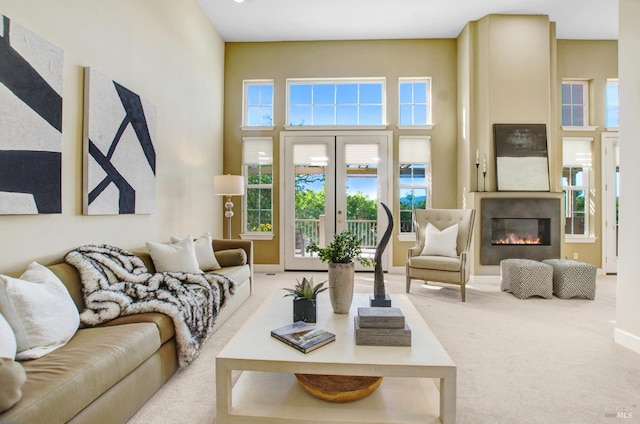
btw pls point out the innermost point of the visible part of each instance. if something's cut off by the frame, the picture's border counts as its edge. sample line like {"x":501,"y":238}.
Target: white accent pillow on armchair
{"x":440,"y":243}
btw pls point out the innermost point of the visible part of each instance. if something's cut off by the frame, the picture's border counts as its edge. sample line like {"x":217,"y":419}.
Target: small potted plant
{"x":341,"y":254}
{"x":304,"y":299}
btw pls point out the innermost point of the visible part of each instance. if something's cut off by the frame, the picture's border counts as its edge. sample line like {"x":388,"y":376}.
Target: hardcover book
{"x":380,"y":317}
{"x":369,"y":336}
{"x":303,"y":336}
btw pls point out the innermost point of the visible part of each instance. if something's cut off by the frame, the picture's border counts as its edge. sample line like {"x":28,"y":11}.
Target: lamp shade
{"x":228,"y":185}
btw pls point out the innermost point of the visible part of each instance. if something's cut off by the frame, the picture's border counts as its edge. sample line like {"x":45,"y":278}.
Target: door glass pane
{"x":310,"y":161}
{"x":361,"y":169}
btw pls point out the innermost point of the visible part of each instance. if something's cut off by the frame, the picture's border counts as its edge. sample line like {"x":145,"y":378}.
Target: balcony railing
{"x":365,"y":229}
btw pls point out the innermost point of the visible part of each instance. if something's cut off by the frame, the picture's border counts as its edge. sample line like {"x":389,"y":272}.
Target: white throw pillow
{"x":204,"y":252}
{"x":440,"y":243}
{"x":40,"y":311}
{"x":178,"y":257}
{"x":8,"y":346}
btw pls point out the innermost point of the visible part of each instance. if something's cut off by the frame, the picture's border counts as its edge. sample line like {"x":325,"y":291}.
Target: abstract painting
{"x":31,"y":71}
{"x":522,"y":162}
{"x":119,"y":157}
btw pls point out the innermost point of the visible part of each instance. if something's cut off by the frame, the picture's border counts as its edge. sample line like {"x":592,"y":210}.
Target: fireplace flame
{"x":513,"y":238}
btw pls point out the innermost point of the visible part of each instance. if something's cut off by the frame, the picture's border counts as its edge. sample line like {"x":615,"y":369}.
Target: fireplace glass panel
{"x":516,"y":231}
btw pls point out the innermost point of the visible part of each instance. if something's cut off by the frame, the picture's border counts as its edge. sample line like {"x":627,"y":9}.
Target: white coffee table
{"x":267,"y":390}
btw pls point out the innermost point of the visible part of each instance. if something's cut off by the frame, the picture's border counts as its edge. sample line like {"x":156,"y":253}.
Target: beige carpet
{"x":519,"y":361}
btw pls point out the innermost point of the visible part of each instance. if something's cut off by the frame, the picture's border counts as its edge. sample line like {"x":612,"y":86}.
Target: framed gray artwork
{"x":119,"y":156}
{"x":31,"y":71}
{"x":522,"y":162}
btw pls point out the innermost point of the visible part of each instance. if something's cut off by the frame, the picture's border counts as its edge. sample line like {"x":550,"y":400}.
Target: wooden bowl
{"x":338,"y":388}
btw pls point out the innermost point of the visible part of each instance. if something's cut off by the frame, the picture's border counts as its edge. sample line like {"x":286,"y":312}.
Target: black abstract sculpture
{"x":379,"y":297}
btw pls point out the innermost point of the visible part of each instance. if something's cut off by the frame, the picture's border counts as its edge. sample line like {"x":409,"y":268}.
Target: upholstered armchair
{"x":441,"y":253}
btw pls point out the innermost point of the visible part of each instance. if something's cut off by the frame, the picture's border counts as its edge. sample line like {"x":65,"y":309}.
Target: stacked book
{"x":303,"y":336}
{"x":380,"y":326}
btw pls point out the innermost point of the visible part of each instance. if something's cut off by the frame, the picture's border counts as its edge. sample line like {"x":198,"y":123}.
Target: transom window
{"x":575,"y":103}
{"x":336,"y":102}
{"x":258,"y":103}
{"x":414,"y":101}
{"x":613,"y":103}
{"x":414,"y":157}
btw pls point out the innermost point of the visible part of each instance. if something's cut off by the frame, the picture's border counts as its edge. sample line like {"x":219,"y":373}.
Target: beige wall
{"x":594,"y":61}
{"x":167,"y":52}
{"x":506,"y":64}
{"x":507,"y":80}
{"x":627,"y":330}
{"x":510,"y":71}
{"x":384,"y":58}
{"x":467,"y":146}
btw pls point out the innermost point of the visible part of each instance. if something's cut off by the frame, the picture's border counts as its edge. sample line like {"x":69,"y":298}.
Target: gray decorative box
{"x":381,"y":317}
{"x":382,"y":336}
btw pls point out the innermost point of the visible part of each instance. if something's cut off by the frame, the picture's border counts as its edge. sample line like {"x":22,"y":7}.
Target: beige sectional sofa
{"x":105,"y":374}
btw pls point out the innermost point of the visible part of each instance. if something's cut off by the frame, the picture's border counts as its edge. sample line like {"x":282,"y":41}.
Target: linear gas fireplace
{"x":526,"y":228}
{"x":535,"y":231}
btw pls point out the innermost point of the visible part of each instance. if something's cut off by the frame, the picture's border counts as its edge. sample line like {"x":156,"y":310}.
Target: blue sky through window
{"x":413,"y":104}
{"x":349,"y":103}
{"x":613,"y":104}
{"x":258,"y":103}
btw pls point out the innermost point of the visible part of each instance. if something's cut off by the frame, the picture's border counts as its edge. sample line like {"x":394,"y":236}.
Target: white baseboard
{"x":626,"y":339}
{"x":397,"y":270}
{"x":267,"y":268}
{"x":484,"y":279}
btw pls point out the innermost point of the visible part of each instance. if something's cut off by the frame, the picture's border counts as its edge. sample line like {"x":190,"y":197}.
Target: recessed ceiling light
{"x":239,"y":1}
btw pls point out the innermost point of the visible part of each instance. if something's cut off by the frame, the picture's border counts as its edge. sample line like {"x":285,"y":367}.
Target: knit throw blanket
{"x":117,"y":283}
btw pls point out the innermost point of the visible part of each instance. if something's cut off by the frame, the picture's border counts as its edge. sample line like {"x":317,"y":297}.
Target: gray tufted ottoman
{"x":525,"y":278}
{"x":573,"y":278}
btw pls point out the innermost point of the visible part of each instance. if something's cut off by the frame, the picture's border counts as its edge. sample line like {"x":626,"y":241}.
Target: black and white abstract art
{"x":522,"y":162}
{"x":31,"y":71}
{"x":119,"y":157}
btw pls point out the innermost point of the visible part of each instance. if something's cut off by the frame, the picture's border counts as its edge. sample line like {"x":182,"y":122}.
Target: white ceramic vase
{"x":341,"y":286}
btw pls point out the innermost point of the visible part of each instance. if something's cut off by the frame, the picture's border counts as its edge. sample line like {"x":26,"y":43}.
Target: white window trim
{"x":587,"y":128}
{"x":616,"y":81}
{"x":333,"y":127}
{"x":429,"y":124}
{"x":256,"y":235}
{"x":415,"y":127}
{"x":382,"y":80}
{"x":589,"y":237}
{"x":250,"y":128}
{"x":245,"y":127}
{"x":405,"y":236}
{"x":572,"y":238}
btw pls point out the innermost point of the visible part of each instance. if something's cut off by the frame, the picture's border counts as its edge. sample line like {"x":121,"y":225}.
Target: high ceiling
{"x":290,"y":20}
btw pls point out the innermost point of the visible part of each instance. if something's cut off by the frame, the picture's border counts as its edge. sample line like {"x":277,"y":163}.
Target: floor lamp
{"x":228,"y":185}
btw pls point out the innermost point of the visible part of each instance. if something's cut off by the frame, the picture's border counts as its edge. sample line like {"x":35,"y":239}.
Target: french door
{"x":610,"y":202}
{"x":332,"y":182}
